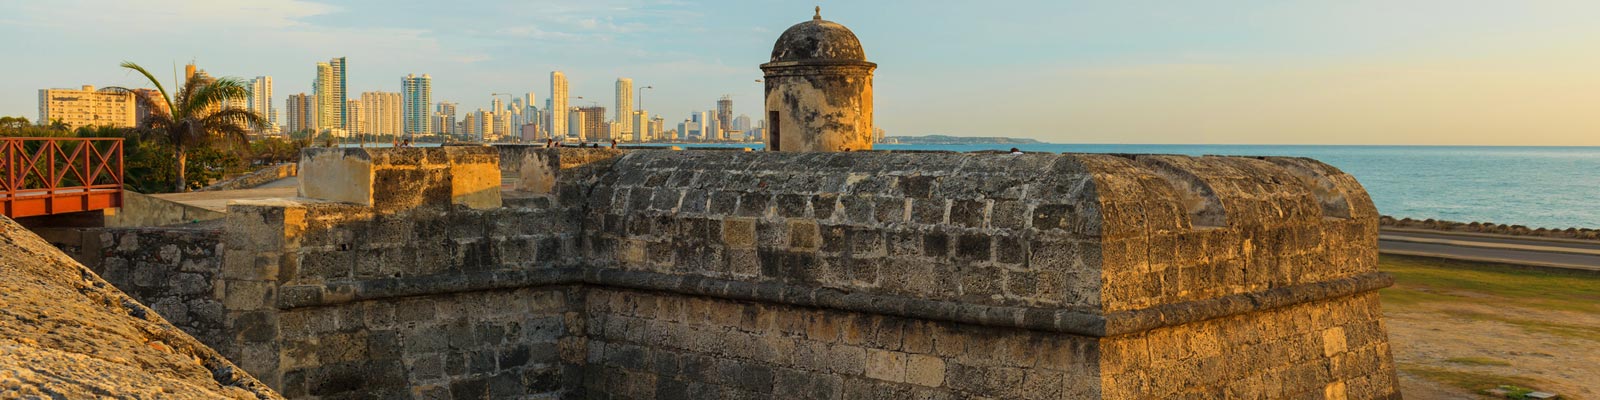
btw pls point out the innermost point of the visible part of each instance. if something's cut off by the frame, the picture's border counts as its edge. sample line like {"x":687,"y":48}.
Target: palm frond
{"x":164,"y":96}
{"x":156,"y":110}
{"x":215,"y":93}
{"x":233,"y":117}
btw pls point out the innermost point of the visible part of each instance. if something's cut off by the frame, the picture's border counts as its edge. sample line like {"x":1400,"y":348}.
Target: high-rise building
{"x":558,"y":102}
{"x":360,"y":117}
{"x":301,"y":110}
{"x":575,"y":130}
{"x":260,"y":101}
{"x":502,"y":124}
{"x":594,"y":124}
{"x":190,"y":72}
{"x":340,"y":90}
{"x":470,"y":125}
{"x":384,"y":115}
{"x":741,"y":123}
{"x":486,"y":126}
{"x":439,"y":124}
{"x":418,"y":91}
{"x":641,"y":124}
{"x":624,"y":116}
{"x":87,"y":107}
{"x":322,"y":89}
{"x":724,"y":117}
{"x":445,"y":118}
{"x":331,"y":94}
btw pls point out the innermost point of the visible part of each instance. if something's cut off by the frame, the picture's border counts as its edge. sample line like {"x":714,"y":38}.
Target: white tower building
{"x":624,"y":110}
{"x":558,"y":103}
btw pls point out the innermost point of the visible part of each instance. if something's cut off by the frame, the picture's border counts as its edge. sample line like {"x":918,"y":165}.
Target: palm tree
{"x":196,"y":116}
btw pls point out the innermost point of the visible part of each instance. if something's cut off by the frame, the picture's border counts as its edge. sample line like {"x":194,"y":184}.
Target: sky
{"x":1426,"y":72}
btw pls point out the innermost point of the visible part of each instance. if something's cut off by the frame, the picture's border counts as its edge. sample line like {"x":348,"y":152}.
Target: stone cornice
{"x":1071,"y":321}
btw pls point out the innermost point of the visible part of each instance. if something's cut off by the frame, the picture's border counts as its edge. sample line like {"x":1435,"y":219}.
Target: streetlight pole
{"x":638,"y":131}
{"x":641,"y":96}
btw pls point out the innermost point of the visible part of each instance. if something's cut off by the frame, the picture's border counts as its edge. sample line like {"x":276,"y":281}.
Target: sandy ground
{"x":1448,"y":336}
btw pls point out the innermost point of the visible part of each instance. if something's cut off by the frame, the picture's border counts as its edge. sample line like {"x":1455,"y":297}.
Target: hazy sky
{"x":1322,"y":72}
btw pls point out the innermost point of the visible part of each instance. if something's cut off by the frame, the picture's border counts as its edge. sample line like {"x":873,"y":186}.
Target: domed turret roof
{"x":818,"y":40}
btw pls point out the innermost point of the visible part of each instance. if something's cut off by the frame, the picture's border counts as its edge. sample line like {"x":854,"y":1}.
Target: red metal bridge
{"x":44,"y":176}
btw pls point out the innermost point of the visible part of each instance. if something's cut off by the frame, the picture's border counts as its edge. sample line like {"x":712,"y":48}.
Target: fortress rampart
{"x":473,"y":272}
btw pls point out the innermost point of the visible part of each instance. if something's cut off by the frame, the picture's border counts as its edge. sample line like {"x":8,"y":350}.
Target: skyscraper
{"x":384,"y":115}
{"x":724,"y":118}
{"x":624,"y":106}
{"x":594,"y":124}
{"x":558,"y":102}
{"x":418,"y":93}
{"x":340,"y":90}
{"x":331,"y":94}
{"x":327,"y":105}
{"x":302,"y":112}
{"x":261,"y":102}
{"x":361,"y":116}
{"x":641,"y":124}
{"x":446,"y":115}
{"x":470,"y":125}
{"x":486,"y":126}
{"x":741,"y":123}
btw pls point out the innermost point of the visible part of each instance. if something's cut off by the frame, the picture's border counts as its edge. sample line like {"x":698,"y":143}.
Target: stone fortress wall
{"x":713,"y":274}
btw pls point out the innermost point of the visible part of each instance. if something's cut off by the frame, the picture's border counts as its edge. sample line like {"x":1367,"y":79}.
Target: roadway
{"x":1538,"y":252}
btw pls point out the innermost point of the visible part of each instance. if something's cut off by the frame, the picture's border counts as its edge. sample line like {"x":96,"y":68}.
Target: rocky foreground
{"x":65,"y":333}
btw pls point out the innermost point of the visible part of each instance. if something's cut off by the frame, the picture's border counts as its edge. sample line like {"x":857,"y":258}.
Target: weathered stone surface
{"x":832,"y":275}
{"x":393,"y":179}
{"x":65,"y":333}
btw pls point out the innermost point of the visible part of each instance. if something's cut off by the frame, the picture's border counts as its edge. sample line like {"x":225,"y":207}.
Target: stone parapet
{"x":688,"y":274}
{"x":393,"y":179}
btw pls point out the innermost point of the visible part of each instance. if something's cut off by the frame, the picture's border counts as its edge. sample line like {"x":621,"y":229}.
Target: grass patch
{"x":1421,"y":280}
{"x":1485,"y":361}
{"x":1477,"y":382}
{"x":1552,"y":328}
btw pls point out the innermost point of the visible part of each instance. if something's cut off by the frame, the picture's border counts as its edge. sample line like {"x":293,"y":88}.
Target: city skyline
{"x":1073,"y":72}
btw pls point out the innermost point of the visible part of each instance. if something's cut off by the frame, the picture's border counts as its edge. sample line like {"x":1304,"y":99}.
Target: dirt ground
{"x":1457,"y":329}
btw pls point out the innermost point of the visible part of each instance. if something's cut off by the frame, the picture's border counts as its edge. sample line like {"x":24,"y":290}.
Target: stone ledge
{"x":1070,"y":321}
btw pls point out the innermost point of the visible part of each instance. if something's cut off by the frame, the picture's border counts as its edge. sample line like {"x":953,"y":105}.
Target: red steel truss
{"x":43,"y":176}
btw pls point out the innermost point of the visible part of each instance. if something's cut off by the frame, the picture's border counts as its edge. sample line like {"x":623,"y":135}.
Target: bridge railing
{"x":42,"y":176}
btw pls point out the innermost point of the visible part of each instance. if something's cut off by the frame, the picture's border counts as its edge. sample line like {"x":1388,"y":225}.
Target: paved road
{"x":1568,"y":254}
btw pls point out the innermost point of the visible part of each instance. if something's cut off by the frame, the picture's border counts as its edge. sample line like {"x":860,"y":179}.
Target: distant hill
{"x":945,"y":139}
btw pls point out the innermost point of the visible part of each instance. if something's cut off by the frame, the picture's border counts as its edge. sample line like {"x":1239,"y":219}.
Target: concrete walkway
{"x":218,"y":200}
{"x":1539,"y":252}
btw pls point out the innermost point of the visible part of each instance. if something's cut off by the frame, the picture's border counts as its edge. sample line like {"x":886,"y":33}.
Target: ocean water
{"x":1549,"y":187}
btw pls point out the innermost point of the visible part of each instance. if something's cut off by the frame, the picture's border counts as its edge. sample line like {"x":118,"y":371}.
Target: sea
{"x":1538,"y":187}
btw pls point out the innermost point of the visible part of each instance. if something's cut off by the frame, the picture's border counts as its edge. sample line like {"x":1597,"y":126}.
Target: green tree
{"x":196,"y":116}
{"x":8,"y":124}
